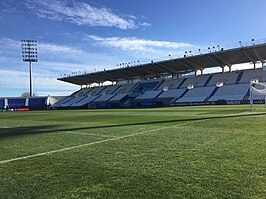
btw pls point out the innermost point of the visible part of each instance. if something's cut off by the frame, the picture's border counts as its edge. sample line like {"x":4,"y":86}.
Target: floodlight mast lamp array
{"x":29,"y":54}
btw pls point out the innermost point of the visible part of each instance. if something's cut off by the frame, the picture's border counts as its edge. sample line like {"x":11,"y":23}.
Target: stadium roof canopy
{"x":223,"y":57}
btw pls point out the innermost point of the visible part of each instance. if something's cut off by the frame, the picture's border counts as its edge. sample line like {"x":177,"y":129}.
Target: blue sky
{"x":79,"y":35}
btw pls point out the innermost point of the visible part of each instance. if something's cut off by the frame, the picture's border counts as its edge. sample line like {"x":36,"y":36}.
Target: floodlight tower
{"x":29,"y":54}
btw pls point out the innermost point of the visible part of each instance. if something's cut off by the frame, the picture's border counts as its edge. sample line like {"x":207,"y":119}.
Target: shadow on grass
{"x":28,"y":130}
{"x":19,"y":131}
{"x":163,"y":121}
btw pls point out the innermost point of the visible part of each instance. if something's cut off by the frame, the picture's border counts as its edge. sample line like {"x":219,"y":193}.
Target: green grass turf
{"x":180,"y":152}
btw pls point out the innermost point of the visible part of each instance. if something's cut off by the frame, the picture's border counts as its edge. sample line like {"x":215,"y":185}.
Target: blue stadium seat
{"x":38,"y":103}
{"x":14,"y":103}
{"x":2,"y":103}
{"x":145,"y":86}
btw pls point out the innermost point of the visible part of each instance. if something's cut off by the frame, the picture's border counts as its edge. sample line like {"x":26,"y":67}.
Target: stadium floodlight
{"x":29,"y":54}
{"x":253,"y":41}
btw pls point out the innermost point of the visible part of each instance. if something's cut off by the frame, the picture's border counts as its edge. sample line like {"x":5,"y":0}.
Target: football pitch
{"x":178,"y":152}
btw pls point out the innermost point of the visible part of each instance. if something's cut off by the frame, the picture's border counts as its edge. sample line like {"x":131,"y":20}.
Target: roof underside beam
{"x":183,"y":64}
{"x":124,"y":75}
{"x":111,"y":75}
{"x":165,"y":68}
{"x":215,"y":61}
{"x":221,"y":59}
{"x":257,"y":54}
{"x":93,"y":80}
{"x":191,"y":64}
{"x":104,"y":77}
{"x":73,"y":81}
{"x":248,"y":56}
{"x":146,"y":72}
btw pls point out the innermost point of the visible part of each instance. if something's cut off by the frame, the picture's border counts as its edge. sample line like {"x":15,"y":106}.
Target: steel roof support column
{"x":230,"y":68}
{"x":225,"y":62}
{"x":222,"y":68}
{"x":263,"y":64}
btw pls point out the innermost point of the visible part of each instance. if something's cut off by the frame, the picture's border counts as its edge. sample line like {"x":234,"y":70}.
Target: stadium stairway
{"x":183,"y":94}
{"x":85,"y":101}
{"x":247,"y":95}
{"x":161,"y":82}
{"x":213,"y":93}
{"x":208,"y":80}
{"x":239,"y":77}
{"x":183,"y":81}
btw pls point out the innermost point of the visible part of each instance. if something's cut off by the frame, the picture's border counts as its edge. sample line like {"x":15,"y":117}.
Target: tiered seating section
{"x":231,"y":92}
{"x":230,"y":86}
{"x":198,"y":94}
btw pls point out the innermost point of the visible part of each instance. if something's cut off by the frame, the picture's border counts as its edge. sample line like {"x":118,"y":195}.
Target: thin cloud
{"x":82,"y":13}
{"x":145,"y":24}
{"x":59,"y":49}
{"x":43,"y":48}
{"x":9,"y":43}
{"x":55,"y":57}
{"x":19,"y":79}
{"x":135,"y":44}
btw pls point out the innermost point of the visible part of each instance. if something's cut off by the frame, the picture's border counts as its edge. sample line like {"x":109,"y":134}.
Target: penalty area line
{"x":94,"y":143}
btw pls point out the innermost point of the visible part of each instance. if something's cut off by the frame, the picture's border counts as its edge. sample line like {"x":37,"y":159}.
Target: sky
{"x":87,"y":35}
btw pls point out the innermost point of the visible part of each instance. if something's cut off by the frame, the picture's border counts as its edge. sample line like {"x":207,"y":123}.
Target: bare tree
{"x":27,"y":94}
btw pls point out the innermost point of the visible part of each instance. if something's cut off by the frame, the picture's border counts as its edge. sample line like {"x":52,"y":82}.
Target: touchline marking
{"x":93,"y":143}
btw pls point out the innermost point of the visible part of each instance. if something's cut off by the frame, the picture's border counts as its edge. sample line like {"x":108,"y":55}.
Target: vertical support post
{"x":263,"y":65}
{"x":230,"y":68}
{"x":265,"y":101}
{"x":250,"y":98}
{"x":30,"y":78}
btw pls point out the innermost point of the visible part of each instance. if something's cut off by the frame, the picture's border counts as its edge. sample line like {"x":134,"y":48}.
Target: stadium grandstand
{"x":172,"y":82}
{"x":27,"y":103}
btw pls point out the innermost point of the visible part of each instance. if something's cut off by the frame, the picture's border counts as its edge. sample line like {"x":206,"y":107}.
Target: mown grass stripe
{"x":117,"y":138}
{"x":88,"y":134}
{"x":93,"y":143}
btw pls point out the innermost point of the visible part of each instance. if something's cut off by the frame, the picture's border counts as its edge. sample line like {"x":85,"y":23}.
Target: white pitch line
{"x":92,"y":134}
{"x":93,"y":143}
